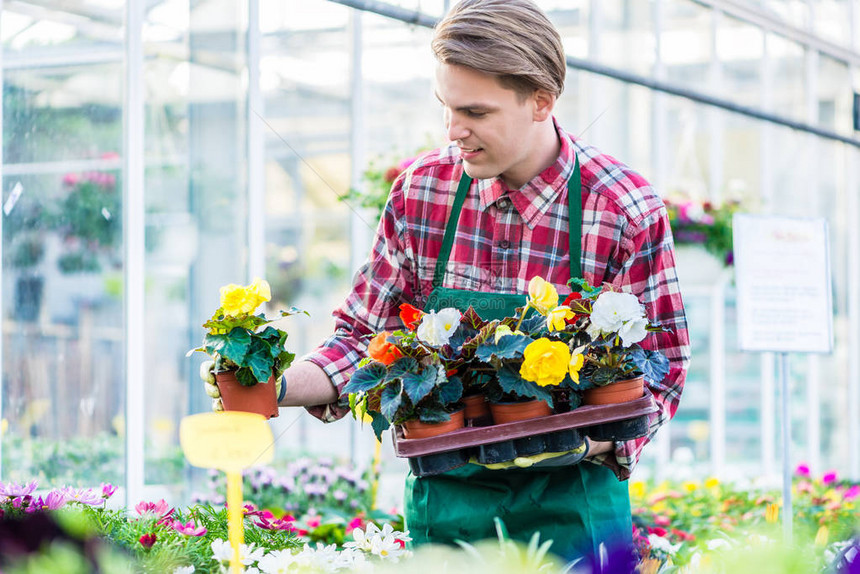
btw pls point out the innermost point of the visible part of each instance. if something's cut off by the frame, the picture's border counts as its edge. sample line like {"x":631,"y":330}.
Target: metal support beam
{"x":134,"y":230}
{"x":417,"y":18}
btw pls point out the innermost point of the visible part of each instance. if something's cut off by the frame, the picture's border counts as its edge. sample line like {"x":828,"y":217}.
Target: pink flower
{"x":147,"y":540}
{"x":314,"y":521}
{"x":84,"y":496}
{"x":13,"y":489}
{"x":356,"y":522}
{"x":657,"y":530}
{"x":54,"y":500}
{"x":107,"y":490}
{"x":406,"y":162}
{"x":829,"y":477}
{"x":278,"y":524}
{"x":160,"y":508}
{"x":189,"y":528}
{"x":851,"y":493}
{"x":71,"y":179}
{"x":802,"y":470}
{"x":662,"y":520}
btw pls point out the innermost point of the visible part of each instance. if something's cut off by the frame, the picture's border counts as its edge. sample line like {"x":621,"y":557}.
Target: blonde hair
{"x":512,"y":40}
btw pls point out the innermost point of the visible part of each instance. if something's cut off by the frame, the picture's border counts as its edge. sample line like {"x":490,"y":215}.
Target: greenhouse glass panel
{"x":63,"y":339}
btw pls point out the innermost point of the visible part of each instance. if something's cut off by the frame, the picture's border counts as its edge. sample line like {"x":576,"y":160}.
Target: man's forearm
{"x":596,"y":447}
{"x":307,"y":385}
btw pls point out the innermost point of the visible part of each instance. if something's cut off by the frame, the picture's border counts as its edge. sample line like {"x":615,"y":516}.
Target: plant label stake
{"x":230,"y":442}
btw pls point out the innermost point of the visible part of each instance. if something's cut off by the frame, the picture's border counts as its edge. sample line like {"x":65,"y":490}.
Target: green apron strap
{"x":574,"y":213}
{"x":450,"y":230}
{"x":574,"y":206}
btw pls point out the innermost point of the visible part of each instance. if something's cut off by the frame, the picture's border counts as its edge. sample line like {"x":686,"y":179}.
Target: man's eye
{"x":476,"y":114}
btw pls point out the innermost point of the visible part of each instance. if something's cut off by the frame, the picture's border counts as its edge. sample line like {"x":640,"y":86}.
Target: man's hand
{"x":599,"y":447}
{"x":207,"y":373}
{"x":308,"y":385}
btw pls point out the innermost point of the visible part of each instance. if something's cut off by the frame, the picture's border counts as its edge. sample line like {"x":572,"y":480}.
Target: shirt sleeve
{"x":647,"y":269}
{"x":380,"y":285}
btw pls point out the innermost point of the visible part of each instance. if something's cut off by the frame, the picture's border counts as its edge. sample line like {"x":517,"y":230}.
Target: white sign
{"x":782,"y":268}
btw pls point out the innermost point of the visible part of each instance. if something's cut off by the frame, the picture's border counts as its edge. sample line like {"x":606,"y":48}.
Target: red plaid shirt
{"x":504,"y":238}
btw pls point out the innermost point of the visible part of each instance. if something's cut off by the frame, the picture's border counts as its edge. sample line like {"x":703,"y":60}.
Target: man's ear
{"x":544,"y":103}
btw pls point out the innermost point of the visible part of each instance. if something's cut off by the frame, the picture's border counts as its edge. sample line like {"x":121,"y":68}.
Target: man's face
{"x":492,"y":126}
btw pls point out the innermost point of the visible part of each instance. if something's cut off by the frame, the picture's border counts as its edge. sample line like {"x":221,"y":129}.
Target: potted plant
{"x":247,"y":353}
{"x":413,"y":377}
{"x":23,"y":235}
{"x":615,"y":365}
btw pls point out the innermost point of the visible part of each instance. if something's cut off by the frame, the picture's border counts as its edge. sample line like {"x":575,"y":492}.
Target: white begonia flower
{"x":611,"y":311}
{"x":633,"y":331}
{"x":436,"y":328}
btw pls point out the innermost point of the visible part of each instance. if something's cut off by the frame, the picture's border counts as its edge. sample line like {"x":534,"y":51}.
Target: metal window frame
{"x":134,"y":230}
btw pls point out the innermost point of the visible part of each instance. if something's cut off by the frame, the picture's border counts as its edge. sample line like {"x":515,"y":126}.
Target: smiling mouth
{"x":471,"y":150}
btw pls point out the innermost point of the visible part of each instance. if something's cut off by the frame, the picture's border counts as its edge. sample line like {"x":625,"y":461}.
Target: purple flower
{"x":107,"y":490}
{"x":312,"y":489}
{"x":829,"y":477}
{"x":54,"y":500}
{"x":802,"y":470}
{"x":189,"y":528}
{"x":84,"y":496}
{"x":13,"y":489}
{"x":339,"y":495}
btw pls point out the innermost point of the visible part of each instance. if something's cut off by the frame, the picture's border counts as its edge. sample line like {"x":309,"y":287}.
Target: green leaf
{"x":233,"y":345}
{"x":450,"y":391}
{"x":365,"y":379}
{"x":401,"y":367}
{"x":418,"y":385}
{"x":508,"y":347}
{"x":391,"y":400}
{"x":245,"y":376}
{"x":512,"y":383}
{"x":379,"y":424}
{"x":434,"y":415}
{"x":259,"y":359}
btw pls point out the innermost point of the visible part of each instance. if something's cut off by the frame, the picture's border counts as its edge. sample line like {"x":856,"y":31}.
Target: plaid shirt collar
{"x":534,"y":198}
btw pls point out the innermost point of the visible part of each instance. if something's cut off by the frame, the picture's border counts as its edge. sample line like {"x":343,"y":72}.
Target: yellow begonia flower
{"x":545,"y":362}
{"x":637,"y":489}
{"x":260,"y":287}
{"x":237,"y":300}
{"x":542,"y":295}
{"x":690,"y":486}
{"x":576,"y":362}
{"x":555,"y":318}
{"x":821,"y":536}
{"x":712,"y":482}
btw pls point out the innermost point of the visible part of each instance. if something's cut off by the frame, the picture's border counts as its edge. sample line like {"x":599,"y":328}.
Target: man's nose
{"x":457,"y":130}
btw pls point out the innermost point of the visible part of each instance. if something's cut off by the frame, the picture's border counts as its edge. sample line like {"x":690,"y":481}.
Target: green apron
{"x":577,"y":507}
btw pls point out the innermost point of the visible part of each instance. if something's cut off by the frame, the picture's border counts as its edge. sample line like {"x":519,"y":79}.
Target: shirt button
{"x":504,"y":244}
{"x":503,"y":203}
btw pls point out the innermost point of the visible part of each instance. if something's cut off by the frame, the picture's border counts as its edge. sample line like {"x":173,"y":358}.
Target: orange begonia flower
{"x":383,"y":351}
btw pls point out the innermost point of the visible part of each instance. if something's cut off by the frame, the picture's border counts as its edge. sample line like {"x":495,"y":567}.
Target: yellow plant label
{"x":229,"y":441}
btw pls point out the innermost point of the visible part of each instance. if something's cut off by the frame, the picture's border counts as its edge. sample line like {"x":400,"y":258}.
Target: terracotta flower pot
{"x":617,"y":392}
{"x":477,"y":407}
{"x":512,"y":412}
{"x":260,"y":398}
{"x":417,"y":429}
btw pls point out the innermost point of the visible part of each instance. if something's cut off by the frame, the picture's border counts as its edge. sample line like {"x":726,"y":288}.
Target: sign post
{"x":782,"y":267}
{"x":229,"y":441}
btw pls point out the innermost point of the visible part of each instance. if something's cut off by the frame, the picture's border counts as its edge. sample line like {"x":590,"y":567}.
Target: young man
{"x":501,"y":68}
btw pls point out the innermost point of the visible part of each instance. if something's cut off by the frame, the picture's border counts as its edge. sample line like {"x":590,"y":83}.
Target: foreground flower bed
{"x":682,"y":524}
{"x":688,"y":527}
